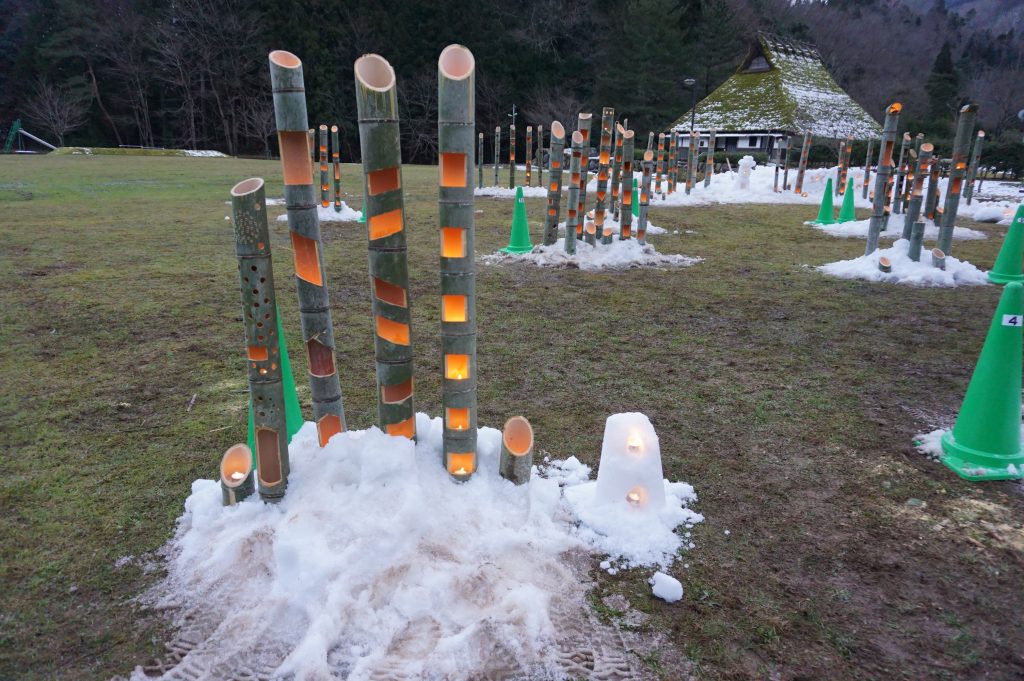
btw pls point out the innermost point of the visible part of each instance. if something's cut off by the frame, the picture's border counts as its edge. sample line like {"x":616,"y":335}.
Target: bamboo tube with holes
{"x":313,"y":149}
{"x":626,"y":212}
{"x":603,"y":163}
{"x":645,"y":196}
{"x":583,"y":125}
{"x":263,"y":354}
{"x":572,"y":216}
{"x":901,"y":174}
{"x":377,"y":111}
{"x":917,"y":191}
{"x":911,"y":169}
{"x":539,"y":155}
{"x":885,"y":148}
{"x":616,"y":169}
{"x":480,"y":161}
{"x":691,"y":161}
{"x":516,"y":462}
{"x":972,"y":169}
{"x":555,"y":161}
{"x":867,"y":169}
{"x":805,"y":151}
{"x":336,"y":162}
{"x":845,"y":150}
{"x":528,"y":156}
{"x":497,"y":153}
{"x":512,"y":157}
{"x":709,"y":163}
{"x":957,"y":172}
{"x":237,"y":482}
{"x":673,"y":158}
{"x":660,"y":170}
{"x":325,"y":188}
{"x":307,"y":248}
{"x":456,"y":106}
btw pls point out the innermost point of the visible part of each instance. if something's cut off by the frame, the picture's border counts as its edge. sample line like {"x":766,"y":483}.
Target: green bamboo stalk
{"x":844,"y":164}
{"x":583,"y":124}
{"x":528,"y":156}
{"x":480,"y":161}
{"x":512,"y":157}
{"x":237,"y":482}
{"x":456,"y":106}
{"x":325,"y":188}
{"x":589,"y":230}
{"x":916,"y":239}
{"x":540,"y":156}
{"x":972,"y":169}
{"x":616,"y":169}
{"x":263,"y":354}
{"x":661,"y":164}
{"x":785,"y":164}
{"x":931,"y":198}
{"x":555,"y":160}
{"x":901,"y":174}
{"x":304,"y":226}
{"x":805,"y":150}
{"x":650,"y":141}
{"x":313,"y":151}
{"x":691,"y":171}
{"x":336,"y":161}
{"x":516,"y":462}
{"x":680,"y":149}
{"x":957,"y":172}
{"x":878,"y":215}
{"x":377,"y":110}
{"x":778,"y":161}
{"x":604,"y":160}
{"x":645,"y":196}
{"x":572,"y":216}
{"x":709,"y":164}
{"x":917,"y":191}
{"x":673,"y":161}
{"x":626,"y":213}
{"x":867,"y":168}
{"x":497,"y":153}
{"x":911,"y":166}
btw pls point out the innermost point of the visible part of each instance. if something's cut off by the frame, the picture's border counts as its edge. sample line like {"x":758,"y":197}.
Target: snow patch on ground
{"x":506,"y":193}
{"x":346,"y":214}
{"x":616,"y":225}
{"x":905,"y":270}
{"x":991,"y":212}
{"x":203,"y":153}
{"x":618,"y":255}
{"x":894,"y":227}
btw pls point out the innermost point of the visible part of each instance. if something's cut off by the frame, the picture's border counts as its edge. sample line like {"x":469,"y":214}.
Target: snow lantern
{"x":746,"y":166}
{"x":630,"y":469}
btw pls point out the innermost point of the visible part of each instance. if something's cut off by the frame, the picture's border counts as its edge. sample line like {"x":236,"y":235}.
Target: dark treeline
{"x":193,"y":73}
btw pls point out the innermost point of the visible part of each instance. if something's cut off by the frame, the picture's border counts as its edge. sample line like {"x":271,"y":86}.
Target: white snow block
{"x":666,"y":587}
{"x":630,"y":470}
{"x":746,"y":166}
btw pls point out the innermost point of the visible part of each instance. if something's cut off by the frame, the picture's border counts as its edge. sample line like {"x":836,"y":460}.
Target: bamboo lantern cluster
{"x":263,"y":355}
{"x":304,"y":227}
{"x":456,"y":104}
{"x":645,"y":196}
{"x":512,"y":156}
{"x":554,"y":183}
{"x":901,"y":174}
{"x":845,"y":151}
{"x":957,"y":172}
{"x":709,"y":164}
{"x":660,"y":170}
{"x":604,"y":161}
{"x":867,"y":168}
{"x":325,"y":187}
{"x":882,"y":175}
{"x":616,"y":169}
{"x":913,"y":226}
{"x":805,"y":151}
{"x":377,"y":107}
{"x":691,"y":162}
{"x":497,"y":153}
{"x":528,"y":156}
{"x":480,"y":161}
{"x":626,"y":212}
{"x":236,"y":479}
{"x":583,"y":125}
{"x":572,"y":216}
{"x":336,"y":161}
{"x":972,"y":169}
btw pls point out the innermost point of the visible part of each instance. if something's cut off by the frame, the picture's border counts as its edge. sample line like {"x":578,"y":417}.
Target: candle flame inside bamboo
{"x":457,"y":418}
{"x":456,"y":367}
{"x":453,"y":308}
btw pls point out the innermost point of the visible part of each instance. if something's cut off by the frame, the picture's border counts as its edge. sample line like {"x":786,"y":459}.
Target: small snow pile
{"x":666,"y":587}
{"x":618,"y":255}
{"x":328,"y":214}
{"x":203,"y":153}
{"x":989,"y":213}
{"x":905,"y":270}
{"x":894,"y":228}
{"x":506,"y":193}
{"x":746,"y":166}
{"x":616,"y":226}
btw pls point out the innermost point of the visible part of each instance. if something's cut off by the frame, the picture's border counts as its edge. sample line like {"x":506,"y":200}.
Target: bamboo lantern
{"x":607,"y":235}
{"x":589,"y":230}
{"x":456,"y":106}
{"x":539,"y":160}
{"x":516,"y":462}
{"x":325,"y":188}
{"x":555,"y":159}
{"x":901,"y":174}
{"x":512,"y":157}
{"x":882,"y":175}
{"x":778,"y":161}
{"x":908,"y":182}
{"x":313,"y":148}
{"x":867,"y":168}
{"x":604,"y":161}
{"x":336,"y":160}
{"x":678,"y":169}
{"x":497,"y":153}
{"x":650,"y":141}
{"x":645,"y":196}
{"x":938,"y":259}
{"x":377,"y":109}
{"x":304,"y":226}
{"x":805,"y":150}
{"x":572,"y":216}
{"x":957,"y":172}
{"x":691,"y":162}
{"x":528,"y":156}
{"x":785,"y":164}
{"x":661,"y":164}
{"x":480,"y":161}
{"x":673,"y":161}
{"x":236,"y":478}
{"x":263,"y":355}
{"x":845,"y":152}
{"x":917,"y":191}
{"x":709,"y":163}
{"x":972,"y":169}
{"x":616,"y":168}
{"x":931,"y":199}
{"x":583,"y":125}
{"x":626,"y":212}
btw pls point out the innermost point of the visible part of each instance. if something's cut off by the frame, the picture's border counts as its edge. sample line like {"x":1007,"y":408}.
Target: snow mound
{"x":989,"y":212}
{"x":506,"y":193}
{"x":618,"y":255}
{"x":346,"y":214}
{"x":894,"y":227}
{"x":905,"y":270}
{"x":203,"y":153}
{"x":666,"y":587}
{"x":616,"y":225}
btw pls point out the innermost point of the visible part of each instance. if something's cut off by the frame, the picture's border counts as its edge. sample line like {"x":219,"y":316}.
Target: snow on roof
{"x":782,"y":85}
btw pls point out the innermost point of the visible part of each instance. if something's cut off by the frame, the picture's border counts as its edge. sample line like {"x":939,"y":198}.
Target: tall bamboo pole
{"x":957,"y":171}
{"x":572,"y":216}
{"x":709,"y":162}
{"x":805,"y":151}
{"x":497,"y":153}
{"x":931,"y":196}
{"x":844,"y":165}
{"x":878,"y":216}
{"x":626,"y":213}
{"x":528,"y":156}
{"x":304,"y":227}
{"x":645,"y":196}
{"x":540,"y":156}
{"x":377,"y":111}
{"x":901,"y":174}
{"x":604,"y":160}
{"x":616,"y":169}
{"x":512,"y":156}
{"x":583,"y":125}
{"x":785,"y":164}
{"x":456,"y":87}
{"x":972,"y":169}
{"x":325,"y":197}
{"x":555,"y":160}
{"x":480,"y":161}
{"x":867,"y":168}
{"x":924,"y":159}
{"x":691,"y":162}
{"x":336,"y":160}
{"x":911,"y":166}
{"x":673,"y":158}
{"x":263,"y":356}
{"x":661,"y":164}
{"x":313,"y":149}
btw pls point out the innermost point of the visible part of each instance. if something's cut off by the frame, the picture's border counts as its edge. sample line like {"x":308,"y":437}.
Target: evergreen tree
{"x":942,"y":88}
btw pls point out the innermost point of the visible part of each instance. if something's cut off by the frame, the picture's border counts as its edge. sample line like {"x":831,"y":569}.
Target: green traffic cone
{"x":292,"y":410}
{"x":825,"y":213}
{"x":1008,"y":262}
{"x":636,"y":201}
{"x":362,"y":213}
{"x":985,"y":441}
{"x":846,"y":211}
{"x":519,"y":241}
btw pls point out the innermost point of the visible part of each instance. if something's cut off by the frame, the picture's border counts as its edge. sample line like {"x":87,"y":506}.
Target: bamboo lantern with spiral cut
{"x":572,"y":216}
{"x":377,"y":107}
{"x":604,"y":162}
{"x":304,"y":227}
{"x":555,"y":161}
{"x":882,"y":174}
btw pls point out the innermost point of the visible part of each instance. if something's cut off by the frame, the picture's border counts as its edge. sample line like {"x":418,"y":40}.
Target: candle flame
{"x":237,"y":475}
{"x":634,"y":497}
{"x":634,"y":443}
{"x":460,"y":471}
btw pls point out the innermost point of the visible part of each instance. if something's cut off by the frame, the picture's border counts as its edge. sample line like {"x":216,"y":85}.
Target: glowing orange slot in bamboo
{"x":453,"y":242}
{"x":456,"y":367}
{"x":383,"y":180}
{"x":268,"y":457}
{"x":307,"y":259}
{"x":257,"y":353}
{"x":392,"y":331}
{"x":394,"y":394}
{"x":556,"y":164}
{"x":553,"y":187}
{"x":453,"y":308}
{"x":457,"y":418}
{"x":294,"y":146}
{"x":453,"y":169}
{"x":389,"y":293}
{"x":461,"y":463}
{"x":406,"y":428}
{"x":551,"y":212}
{"x":321,"y":358}
{"x":386,"y":224}
{"x":327,"y":427}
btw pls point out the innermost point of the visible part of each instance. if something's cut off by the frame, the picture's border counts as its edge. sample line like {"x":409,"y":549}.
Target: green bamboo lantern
{"x":901,"y":174}
{"x":924,"y":160}
{"x":805,"y":151}
{"x":957,"y":172}
{"x":604,"y":161}
{"x":456,"y":78}
{"x":972,"y":169}
{"x":673,"y":157}
{"x":846,"y":151}
{"x":709,"y":163}
{"x":882,"y":175}
{"x":377,"y":110}
{"x":661,"y":164}
{"x":512,"y":156}
{"x":555,"y":160}
{"x":336,"y":160}
{"x":626,"y":214}
{"x":480,"y":161}
{"x":497,"y":153}
{"x":931,"y":195}
{"x":616,"y":169}
{"x":572,"y":216}
{"x":645,"y":196}
{"x":867,"y":169}
{"x":785,"y":164}
{"x":540,"y":156}
{"x":263,"y":355}
{"x":528,"y":156}
{"x":583,"y":125}
{"x":307,"y":248}
{"x":691,"y":162}
{"x":325,"y":188}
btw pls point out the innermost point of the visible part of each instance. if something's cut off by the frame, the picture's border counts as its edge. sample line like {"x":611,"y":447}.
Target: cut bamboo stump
{"x":645,"y":196}
{"x":884,"y":172}
{"x":516,"y":462}
{"x":572,"y":216}
{"x":304,"y":226}
{"x":626,"y":213}
{"x":884,"y":265}
{"x":957,"y":172}
{"x":805,"y":150}
{"x":604,"y":163}
{"x":938,"y":258}
{"x":237,"y":482}
{"x":554,"y":183}
{"x":916,"y":239}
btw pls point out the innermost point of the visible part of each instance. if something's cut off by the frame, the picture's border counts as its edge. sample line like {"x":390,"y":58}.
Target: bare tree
{"x":56,"y":109}
{"x":561,"y":106}
{"x":258,"y":121}
{"x":417,"y":102}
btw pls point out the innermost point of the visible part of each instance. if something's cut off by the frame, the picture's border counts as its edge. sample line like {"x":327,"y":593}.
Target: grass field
{"x":786,"y":398}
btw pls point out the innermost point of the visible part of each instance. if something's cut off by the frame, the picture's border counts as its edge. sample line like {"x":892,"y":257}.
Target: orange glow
{"x":453,"y":242}
{"x":635,"y":496}
{"x":392,"y":331}
{"x":307,"y":259}
{"x":257,"y":353}
{"x":453,"y":308}
{"x":389,"y":293}
{"x":236,"y":464}
{"x":456,"y":418}
{"x":405,"y":428}
{"x":295,"y":157}
{"x":556,"y":164}
{"x":517,"y":435}
{"x":394,"y":394}
{"x":321,"y":358}
{"x":575,"y":178}
{"x":604,"y":158}
{"x":462,"y":463}
{"x":383,"y":180}
{"x":551,"y":212}
{"x":553,"y":187}
{"x":386,"y":224}
{"x":456,"y":367}
{"x":268,"y":456}
{"x":895,"y":108}
{"x":327,"y":427}
{"x":453,"y":169}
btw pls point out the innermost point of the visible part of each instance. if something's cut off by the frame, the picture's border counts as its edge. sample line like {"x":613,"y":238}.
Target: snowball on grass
{"x":905,"y":270}
{"x":618,"y":255}
{"x":894,"y":228}
{"x":346,"y":214}
{"x":666,"y":587}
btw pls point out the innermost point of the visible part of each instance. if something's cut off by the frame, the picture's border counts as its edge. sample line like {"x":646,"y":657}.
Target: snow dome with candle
{"x":630,"y":470}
